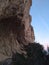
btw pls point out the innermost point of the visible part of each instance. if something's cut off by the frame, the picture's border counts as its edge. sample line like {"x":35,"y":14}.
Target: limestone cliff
{"x":15,"y":27}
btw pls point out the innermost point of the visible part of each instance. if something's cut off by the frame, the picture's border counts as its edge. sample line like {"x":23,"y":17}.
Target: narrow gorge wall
{"x":15,"y":27}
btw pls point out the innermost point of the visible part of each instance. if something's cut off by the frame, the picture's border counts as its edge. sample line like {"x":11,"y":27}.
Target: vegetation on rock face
{"x":35,"y":56}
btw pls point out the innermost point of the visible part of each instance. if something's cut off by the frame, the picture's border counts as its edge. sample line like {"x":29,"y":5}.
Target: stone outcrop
{"x":15,"y":27}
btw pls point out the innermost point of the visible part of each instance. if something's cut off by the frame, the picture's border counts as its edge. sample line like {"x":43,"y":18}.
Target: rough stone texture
{"x":15,"y":27}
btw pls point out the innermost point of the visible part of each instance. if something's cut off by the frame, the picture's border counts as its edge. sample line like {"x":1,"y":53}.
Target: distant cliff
{"x":15,"y":27}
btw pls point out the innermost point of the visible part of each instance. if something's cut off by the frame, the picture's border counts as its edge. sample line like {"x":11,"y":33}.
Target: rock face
{"x":15,"y":27}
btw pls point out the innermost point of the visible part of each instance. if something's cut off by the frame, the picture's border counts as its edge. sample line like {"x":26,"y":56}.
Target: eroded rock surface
{"x":15,"y":27}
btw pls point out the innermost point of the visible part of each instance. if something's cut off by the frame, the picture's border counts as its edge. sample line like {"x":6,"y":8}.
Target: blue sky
{"x":40,"y":20}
